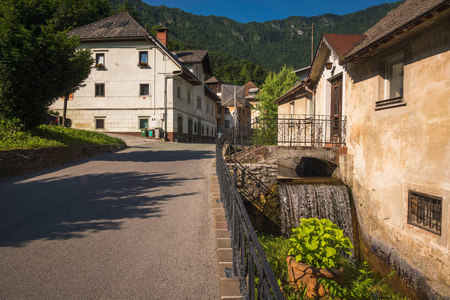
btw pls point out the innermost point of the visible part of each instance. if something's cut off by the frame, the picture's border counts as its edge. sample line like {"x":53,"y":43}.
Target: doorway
{"x":336,"y":110}
{"x":190,"y":131}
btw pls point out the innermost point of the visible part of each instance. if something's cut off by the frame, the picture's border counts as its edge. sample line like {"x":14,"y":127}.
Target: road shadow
{"x":60,"y":208}
{"x":156,"y":156}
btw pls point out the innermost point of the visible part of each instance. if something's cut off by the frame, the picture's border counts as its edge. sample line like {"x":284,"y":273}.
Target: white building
{"x":138,"y":83}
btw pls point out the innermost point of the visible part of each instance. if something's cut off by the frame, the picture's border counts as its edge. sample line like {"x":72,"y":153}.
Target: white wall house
{"x":138,"y":83}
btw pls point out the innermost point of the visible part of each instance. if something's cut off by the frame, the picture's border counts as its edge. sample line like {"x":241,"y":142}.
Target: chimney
{"x":162,"y":34}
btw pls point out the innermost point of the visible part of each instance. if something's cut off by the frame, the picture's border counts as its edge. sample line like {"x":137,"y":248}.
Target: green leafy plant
{"x":319,"y":243}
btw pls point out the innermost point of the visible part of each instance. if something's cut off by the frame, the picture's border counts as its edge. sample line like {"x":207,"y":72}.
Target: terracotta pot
{"x":301,"y":275}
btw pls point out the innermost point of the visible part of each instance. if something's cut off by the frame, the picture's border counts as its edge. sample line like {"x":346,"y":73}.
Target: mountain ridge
{"x":271,"y":43}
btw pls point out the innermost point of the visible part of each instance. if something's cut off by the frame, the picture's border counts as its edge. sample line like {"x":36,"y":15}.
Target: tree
{"x":38,"y":63}
{"x":68,"y":14}
{"x":275,"y":85}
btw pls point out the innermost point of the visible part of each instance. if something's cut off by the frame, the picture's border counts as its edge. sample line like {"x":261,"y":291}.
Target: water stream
{"x":315,"y":200}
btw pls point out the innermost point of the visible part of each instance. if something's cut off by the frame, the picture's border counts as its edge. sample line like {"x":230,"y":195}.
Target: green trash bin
{"x":144,"y":133}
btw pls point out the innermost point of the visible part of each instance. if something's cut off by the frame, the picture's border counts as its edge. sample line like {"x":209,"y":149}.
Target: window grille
{"x":425,"y":211}
{"x":99,"y":123}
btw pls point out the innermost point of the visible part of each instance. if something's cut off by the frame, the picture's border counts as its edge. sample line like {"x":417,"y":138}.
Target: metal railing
{"x":293,"y":130}
{"x":250,"y":265}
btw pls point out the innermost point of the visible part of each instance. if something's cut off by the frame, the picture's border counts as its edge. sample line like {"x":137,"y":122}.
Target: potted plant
{"x":100,"y":66}
{"x":314,"y":254}
{"x":142,"y":64}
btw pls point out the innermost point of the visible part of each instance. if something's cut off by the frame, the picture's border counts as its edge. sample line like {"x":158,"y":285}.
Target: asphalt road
{"x":135,"y":224}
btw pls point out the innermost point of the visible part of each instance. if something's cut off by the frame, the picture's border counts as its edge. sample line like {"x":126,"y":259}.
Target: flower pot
{"x":302,"y":275}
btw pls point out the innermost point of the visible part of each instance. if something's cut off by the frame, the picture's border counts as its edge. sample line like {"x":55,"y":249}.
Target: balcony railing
{"x":293,"y":130}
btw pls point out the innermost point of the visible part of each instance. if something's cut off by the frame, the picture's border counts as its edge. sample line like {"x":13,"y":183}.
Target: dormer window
{"x":100,"y":60}
{"x":143,"y":59}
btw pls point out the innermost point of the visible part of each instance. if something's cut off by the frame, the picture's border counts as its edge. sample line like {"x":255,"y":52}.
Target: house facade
{"x":397,"y":95}
{"x":138,"y":83}
{"x":225,"y":112}
{"x":391,"y":87}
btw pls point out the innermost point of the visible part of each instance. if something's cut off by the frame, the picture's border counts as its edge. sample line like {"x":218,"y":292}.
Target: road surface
{"x":135,"y":224}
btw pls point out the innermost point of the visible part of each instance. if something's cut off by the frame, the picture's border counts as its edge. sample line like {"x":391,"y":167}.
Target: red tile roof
{"x":343,"y":43}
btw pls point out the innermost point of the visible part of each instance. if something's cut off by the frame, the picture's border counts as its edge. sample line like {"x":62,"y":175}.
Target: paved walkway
{"x":135,"y":224}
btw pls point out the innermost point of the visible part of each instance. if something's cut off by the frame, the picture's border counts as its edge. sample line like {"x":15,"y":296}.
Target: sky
{"x":245,"y":11}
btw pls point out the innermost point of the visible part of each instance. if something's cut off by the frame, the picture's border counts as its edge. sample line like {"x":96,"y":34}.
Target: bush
{"x":45,"y":136}
{"x":358,"y":283}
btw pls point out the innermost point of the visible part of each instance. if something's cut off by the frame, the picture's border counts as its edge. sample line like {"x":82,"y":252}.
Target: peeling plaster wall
{"x":399,"y":149}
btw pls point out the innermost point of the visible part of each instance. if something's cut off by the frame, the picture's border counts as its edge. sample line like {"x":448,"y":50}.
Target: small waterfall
{"x":317,"y":200}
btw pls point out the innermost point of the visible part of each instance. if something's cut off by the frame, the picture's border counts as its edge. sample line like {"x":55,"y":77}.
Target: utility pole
{"x":235,"y":113}
{"x":312,"y":42}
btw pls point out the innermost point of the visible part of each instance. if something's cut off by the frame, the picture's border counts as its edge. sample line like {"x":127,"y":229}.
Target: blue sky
{"x":263,"y":10}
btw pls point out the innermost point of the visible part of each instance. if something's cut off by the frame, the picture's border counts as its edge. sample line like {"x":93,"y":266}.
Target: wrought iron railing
{"x":250,"y":264}
{"x":293,"y":130}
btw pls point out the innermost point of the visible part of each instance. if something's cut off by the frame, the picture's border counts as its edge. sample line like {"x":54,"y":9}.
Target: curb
{"x":229,"y":287}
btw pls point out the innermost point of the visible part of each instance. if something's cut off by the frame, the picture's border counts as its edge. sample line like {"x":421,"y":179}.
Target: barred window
{"x":99,"y":123}
{"x":425,"y":211}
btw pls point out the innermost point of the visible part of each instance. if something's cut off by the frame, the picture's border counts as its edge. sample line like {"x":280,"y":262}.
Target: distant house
{"x":251,"y":90}
{"x":225,"y":113}
{"x":138,"y":83}
{"x":391,"y":87}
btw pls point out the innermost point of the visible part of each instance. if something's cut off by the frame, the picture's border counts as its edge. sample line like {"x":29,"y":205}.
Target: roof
{"x":123,"y":27}
{"x":248,"y":86}
{"x":299,"y":87}
{"x":343,"y":43}
{"x":213,"y":80}
{"x":337,"y":43}
{"x":117,"y":27}
{"x":400,"y":20}
{"x":195,"y":57}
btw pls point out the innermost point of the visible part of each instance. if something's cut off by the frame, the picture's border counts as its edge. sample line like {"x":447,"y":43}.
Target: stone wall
{"x":21,"y":161}
{"x":255,"y":179}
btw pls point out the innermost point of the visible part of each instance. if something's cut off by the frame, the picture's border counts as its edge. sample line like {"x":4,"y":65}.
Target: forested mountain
{"x":256,"y":45}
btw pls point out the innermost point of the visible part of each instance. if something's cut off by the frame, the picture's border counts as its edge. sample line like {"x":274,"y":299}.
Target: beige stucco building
{"x":138,"y":83}
{"x":397,"y":95}
{"x":392,"y":88}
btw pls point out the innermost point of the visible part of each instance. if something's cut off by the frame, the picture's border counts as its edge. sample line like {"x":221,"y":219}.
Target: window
{"x":99,"y":123}
{"x":144,"y":89}
{"x":203,"y":129}
{"x":99,"y":90}
{"x":199,"y":102}
{"x":195,"y":127}
{"x":207,"y":107}
{"x":393,"y":83}
{"x":207,"y":130}
{"x":143,"y":123}
{"x":143,"y":58}
{"x":178,"y":92}
{"x":425,"y":211}
{"x":227,"y":110}
{"x":189,"y":98}
{"x":394,"y":77}
{"x":227,"y":123}
{"x":219,"y":110}
{"x":100,"y":60}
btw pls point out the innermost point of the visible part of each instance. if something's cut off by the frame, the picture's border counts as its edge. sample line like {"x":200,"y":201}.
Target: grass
{"x":358,"y":280}
{"x":46,"y":136}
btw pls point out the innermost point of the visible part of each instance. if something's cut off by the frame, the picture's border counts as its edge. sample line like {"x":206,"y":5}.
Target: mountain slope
{"x":272,"y":43}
